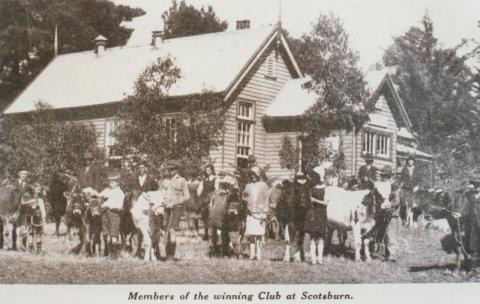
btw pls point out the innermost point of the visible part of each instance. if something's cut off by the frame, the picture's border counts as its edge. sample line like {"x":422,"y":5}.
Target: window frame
{"x":374,"y":151}
{"x":248,"y":121}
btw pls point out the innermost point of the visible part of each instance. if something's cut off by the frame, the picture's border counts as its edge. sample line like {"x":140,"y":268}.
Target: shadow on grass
{"x":450,"y":266}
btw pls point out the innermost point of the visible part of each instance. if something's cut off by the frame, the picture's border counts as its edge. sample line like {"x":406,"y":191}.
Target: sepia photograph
{"x":239,"y":142}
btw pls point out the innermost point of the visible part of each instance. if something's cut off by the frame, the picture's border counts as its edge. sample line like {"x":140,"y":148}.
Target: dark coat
{"x":91,"y":177}
{"x":472,"y":223}
{"x":148,"y":185}
{"x":410,"y":181}
{"x":316,"y":217}
{"x":367,"y":173}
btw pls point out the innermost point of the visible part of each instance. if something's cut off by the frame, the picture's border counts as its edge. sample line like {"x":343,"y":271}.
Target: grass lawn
{"x":421,"y":260}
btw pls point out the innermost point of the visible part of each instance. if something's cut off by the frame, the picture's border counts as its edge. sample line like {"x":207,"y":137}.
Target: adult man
{"x":367,"y":173}
{"x":388,"y":215}
{"x":177,"y":195}
{"x":472,"y":220}
{"x":21,"y":185}
{"x":90,"y":175}
{"x":144,"y":182}
{"x":411,"y":181}
{"x":410,"y":176}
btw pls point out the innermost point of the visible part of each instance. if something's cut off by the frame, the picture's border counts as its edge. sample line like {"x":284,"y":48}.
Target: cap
{"x":386,"y":171}
{"x":173,"y":164}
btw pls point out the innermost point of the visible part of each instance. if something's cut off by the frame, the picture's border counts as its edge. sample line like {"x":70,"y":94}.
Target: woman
{"x":207,"y":186}
{"x":256,"y":195}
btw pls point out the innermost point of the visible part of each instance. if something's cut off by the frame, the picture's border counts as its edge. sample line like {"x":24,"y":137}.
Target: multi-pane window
{"x":377,"y":144}
{"x":244,"y":139}
{"x":110,"y":140}
{"x":245,"y":130}
{"x":382,"y":145}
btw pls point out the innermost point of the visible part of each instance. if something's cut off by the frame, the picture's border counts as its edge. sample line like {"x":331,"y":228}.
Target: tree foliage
{"x":185,"y":20}
{"x":160,"y":127}
{"x":326,"y":57}
{"x":438,"y":88}
{"x":27,"y":30}
{"x":43,"y":145}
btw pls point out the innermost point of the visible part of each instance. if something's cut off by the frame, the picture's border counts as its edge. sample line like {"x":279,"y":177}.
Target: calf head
{"x":236,"y":206}
{"x":77,"y":206}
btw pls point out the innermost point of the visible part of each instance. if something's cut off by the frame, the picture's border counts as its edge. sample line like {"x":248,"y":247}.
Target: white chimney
{"x":157,"y":37}
{"x":100,"y":45}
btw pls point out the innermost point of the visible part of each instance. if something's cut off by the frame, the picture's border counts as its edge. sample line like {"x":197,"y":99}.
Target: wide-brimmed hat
{"x":256,"y":170}
{"x":368,"y":156}
{"x":411,"y":157}
{"x":386,"y":171}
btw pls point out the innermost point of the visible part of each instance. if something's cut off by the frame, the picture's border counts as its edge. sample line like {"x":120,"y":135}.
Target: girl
{"x":256,"y":195}
{"x":316,"y":218}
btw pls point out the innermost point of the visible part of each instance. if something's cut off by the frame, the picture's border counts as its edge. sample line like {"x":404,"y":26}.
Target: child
{"x":113,"y":205}
{"x":316,"y":218}
{"x":256,"y":195}
{"x":34,"y":214}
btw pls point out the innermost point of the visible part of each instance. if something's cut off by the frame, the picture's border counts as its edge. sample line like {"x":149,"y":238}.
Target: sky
{"x":370,"y":23}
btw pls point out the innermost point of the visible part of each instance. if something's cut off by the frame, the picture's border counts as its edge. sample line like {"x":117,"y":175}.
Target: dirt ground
{"x":420,"y":260}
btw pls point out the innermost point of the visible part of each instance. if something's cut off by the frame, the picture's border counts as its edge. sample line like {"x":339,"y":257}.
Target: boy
{"x":113,"y":205}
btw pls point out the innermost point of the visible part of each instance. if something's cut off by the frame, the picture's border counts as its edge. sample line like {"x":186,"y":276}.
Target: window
{"x":245,"y":129}
{"x":271,"y":66}
{"x":244,"y":139}
{"x":110,"y":140}
{"x":377,"y":144}
{"x":383,"y":145}
{"x":245,"y":111}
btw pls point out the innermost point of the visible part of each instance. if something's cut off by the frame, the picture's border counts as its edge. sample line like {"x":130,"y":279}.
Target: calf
{"x":348,"y":210}
{"x":227,"y":215}
{"x":76,"y":218}
{"x":147,"y":215}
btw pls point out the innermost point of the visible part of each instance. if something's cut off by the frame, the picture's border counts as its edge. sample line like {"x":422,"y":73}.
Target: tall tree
{"x":185,"y":20}
{"x":27,"y":35}
{"x":342,"y":95}
{"x":437,"y":85}
{"x":161,"y":128}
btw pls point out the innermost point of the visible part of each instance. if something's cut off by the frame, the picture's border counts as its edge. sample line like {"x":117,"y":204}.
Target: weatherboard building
{"x":255,"y":73}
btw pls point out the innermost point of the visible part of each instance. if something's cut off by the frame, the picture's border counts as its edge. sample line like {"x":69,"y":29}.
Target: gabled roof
{"x":294,"y":100}
{"x":215,"y":62}
{"x":387,"y":83}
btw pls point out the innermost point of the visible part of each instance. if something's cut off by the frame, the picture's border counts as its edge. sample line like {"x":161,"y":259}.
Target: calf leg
{"x":357,"y":241}
{"x":286,"y":254}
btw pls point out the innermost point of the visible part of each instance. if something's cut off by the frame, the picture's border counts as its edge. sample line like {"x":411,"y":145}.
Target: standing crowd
{"x":169,"y":191}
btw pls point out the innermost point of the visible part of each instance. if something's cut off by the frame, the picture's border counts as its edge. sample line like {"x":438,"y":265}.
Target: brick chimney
{"x":157,"y":38}
{"x":243,"y":24}
{"x":100,"y":45}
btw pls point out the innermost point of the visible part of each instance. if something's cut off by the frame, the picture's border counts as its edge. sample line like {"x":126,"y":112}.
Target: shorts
{"x":172,"y":218}
{"x":111,"y":223}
